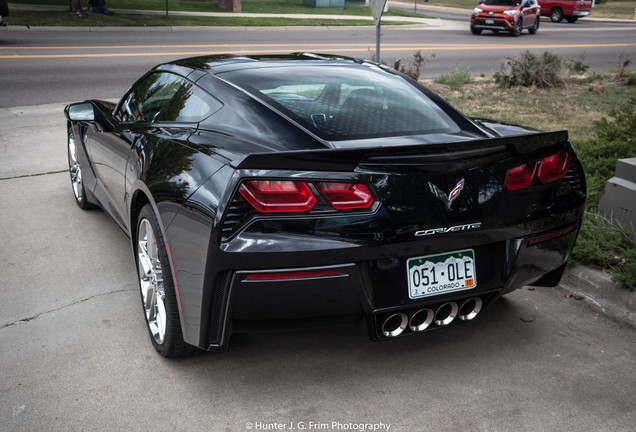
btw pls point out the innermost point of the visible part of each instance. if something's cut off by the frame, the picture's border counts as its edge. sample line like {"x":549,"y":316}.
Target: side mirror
{"x":80,"y":112}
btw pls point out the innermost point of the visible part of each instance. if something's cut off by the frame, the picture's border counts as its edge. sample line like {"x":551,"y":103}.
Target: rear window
{"x":345,"y":102}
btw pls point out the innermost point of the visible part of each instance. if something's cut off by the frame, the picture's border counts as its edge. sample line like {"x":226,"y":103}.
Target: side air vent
{"x":218,"y":301}
{"x":237,"y":212}
{"x":573,"y":177}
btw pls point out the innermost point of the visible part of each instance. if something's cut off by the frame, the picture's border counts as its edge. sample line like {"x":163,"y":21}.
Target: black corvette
{"x":263,"y":192}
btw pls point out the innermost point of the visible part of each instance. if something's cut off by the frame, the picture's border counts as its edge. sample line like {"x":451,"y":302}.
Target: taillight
{"x":278,"y":195}
{"x":520,"y":177}
{"x":297,"y":196}
{"x":344,"y":196}
{"x":550,"y":169}
{"x":554,"y":168}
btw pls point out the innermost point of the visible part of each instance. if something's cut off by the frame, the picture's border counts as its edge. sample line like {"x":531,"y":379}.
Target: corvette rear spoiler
{"x":349,"y":158}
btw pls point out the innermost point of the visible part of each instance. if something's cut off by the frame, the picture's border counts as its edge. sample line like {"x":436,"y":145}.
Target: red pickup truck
{"x":571,"y":10}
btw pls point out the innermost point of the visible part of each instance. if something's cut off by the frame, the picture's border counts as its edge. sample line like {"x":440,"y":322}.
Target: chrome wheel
{"x":151,"y":281}
{"x":75,"y":168}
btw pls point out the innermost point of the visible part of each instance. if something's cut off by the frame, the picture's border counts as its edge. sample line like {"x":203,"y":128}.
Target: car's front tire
{"x":158,"y":296}
{"x":75,"y":171}
{"x":475,"y":31}
{"x":535,"y":27}
{"x":556,"y":15}
{"x":516,"y":30}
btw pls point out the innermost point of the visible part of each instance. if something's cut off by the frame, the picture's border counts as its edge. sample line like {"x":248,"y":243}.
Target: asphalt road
{"x":75,"y":354}
{"x":57,"y":66}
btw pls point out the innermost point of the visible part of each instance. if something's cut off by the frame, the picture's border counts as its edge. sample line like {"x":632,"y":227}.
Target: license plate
{"x":439,"y":274}
{"x":490,"y":21}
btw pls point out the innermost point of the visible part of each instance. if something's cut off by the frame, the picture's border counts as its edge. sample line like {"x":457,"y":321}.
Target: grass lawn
{"x":58,"y":18}
{"x":575,"y":107}
{"x":61,"y":18}
{"x":249,"y":6}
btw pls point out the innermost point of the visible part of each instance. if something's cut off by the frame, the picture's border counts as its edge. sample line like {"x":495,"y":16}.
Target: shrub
{"x":598,"y":156}
{"x":622,"y":128}
{"x":454,"y":78}
{"x":603,"y":244}
{"x":622,"y":77}
{"x":576,"y":66}
{"x":544,"y":71}
{"x":413,"y":68}
{"x":600,"y":242}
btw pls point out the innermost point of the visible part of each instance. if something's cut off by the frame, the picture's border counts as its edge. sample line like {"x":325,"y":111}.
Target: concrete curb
{"x":597,"y":286}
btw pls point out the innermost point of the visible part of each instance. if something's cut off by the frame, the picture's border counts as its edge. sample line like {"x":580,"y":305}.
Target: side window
{"x":166,"y":97}
{"x":189,"y":104}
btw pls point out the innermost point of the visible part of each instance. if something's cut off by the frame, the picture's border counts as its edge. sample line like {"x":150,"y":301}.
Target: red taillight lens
{"x":520,"y":177}
{"x":550,"y":169}
{"x":554,"y":168}
{"x":278,"y":195}
{"x":344,"y":196}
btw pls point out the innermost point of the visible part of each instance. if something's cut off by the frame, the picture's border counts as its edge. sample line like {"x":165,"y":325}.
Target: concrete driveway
{"x":75,"y":354}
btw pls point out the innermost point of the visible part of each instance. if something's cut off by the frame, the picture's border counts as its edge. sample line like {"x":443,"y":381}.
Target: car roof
{"x":228,"y":62}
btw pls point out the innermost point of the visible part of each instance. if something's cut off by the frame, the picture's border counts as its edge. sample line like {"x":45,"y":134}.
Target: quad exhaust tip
{"x":419,"y":320}
{"x":470,"y":308}
{"x":395,"y":324}
{"x":446,"y":314}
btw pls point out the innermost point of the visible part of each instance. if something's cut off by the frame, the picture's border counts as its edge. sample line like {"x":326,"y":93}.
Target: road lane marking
{"x":278,"y":48}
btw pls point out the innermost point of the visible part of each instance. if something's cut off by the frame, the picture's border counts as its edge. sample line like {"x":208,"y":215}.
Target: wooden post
{"x":231,"y":5}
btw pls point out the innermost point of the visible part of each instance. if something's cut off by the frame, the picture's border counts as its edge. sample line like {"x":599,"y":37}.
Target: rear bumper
{"x":375,"y":291}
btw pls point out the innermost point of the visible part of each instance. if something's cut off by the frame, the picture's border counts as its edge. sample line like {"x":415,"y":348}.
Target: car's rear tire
{"x":158,"y":296}
{"x":571,"y":19}
{"x":556,"y":15}
{"x":475,"y":31}
{"x":535,"y":27}
{"x":75,"y":171}
{"x":516,"y":30}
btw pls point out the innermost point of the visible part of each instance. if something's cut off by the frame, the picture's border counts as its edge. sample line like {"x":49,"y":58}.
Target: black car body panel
{"x":437,"y":195}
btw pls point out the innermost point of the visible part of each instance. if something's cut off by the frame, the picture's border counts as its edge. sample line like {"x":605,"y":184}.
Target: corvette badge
{"x":447,"y":199}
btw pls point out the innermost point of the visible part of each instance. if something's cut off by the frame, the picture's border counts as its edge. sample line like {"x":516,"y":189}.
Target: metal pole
{"x":166,"y":9}
{"x":377,"y":42}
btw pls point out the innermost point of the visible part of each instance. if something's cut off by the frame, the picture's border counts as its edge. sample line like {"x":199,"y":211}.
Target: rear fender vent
{"x":218,"y":302}
{"x":237,"y":213}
